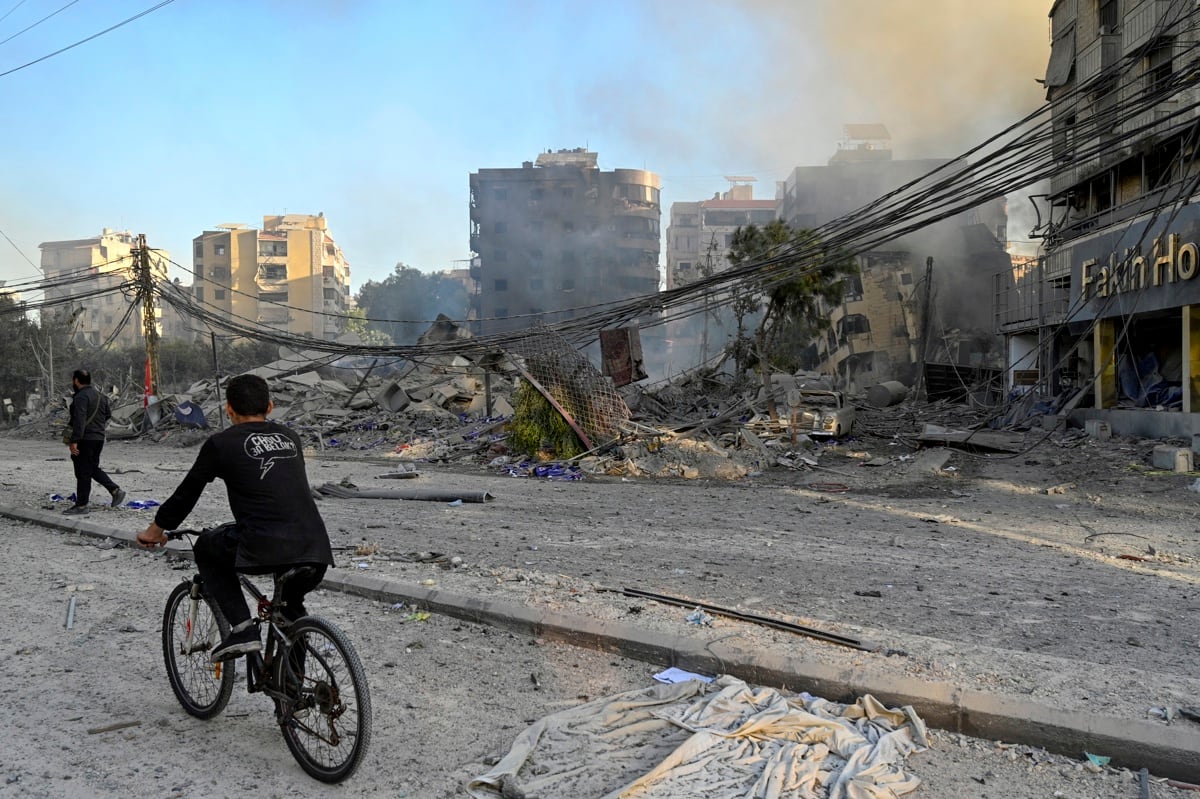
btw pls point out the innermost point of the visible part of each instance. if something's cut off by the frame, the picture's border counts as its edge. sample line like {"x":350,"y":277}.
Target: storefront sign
{"x":1171,"y":261}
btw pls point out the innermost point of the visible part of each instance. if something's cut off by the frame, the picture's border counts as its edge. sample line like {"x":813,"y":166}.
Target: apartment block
{"x":557,"y":237}
{"x":1108,"y":320}
{"x":700,"y":232}
{"x":290,"y":275}
{"x":89,"y":272}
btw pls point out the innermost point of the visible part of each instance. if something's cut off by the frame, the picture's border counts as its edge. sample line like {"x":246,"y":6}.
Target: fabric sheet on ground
{"x":718,"y":739}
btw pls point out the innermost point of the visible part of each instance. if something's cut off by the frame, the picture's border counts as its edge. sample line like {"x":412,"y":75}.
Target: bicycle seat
{"x":302,"y":572}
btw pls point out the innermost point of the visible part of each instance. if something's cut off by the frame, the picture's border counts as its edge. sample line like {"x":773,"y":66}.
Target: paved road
{"x":447,"y":695}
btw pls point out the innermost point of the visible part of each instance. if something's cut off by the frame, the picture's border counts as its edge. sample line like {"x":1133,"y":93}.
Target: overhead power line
{"x":122,"y":23}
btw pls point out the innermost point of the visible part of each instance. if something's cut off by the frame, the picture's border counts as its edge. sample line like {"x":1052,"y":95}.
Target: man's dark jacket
{"x":89,"y":415}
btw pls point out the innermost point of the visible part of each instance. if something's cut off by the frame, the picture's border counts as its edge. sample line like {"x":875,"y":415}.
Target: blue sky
{"x":375,"y":112}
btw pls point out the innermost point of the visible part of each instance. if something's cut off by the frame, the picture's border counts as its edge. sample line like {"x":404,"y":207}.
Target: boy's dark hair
{"x":248,"y":395}
{"x":83,"y":376}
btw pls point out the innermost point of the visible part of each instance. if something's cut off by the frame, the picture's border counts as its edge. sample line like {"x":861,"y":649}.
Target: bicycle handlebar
{"x":175,"y":535}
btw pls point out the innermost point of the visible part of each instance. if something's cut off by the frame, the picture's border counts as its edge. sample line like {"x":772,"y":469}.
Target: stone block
{"x":1176,"y":459}
{"x":1097,"y":428}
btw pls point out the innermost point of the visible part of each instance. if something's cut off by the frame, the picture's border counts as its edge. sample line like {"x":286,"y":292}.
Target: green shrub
{"x":540,"y":431}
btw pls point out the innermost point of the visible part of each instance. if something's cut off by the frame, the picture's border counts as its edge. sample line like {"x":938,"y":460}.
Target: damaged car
{"x":820,"y":413}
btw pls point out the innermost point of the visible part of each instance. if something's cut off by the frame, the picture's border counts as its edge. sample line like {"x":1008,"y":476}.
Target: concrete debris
{"x":706,"y":424}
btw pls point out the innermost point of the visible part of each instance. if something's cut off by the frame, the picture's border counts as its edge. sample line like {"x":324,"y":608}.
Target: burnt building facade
{"x":557,"y":237}
{"x":887,"y":325}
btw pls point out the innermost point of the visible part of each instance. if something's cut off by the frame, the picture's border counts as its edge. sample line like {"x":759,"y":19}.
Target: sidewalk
{"x":1166,"y":751}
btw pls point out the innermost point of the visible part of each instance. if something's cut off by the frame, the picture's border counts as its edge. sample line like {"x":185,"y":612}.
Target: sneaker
{"x":118,"y":497}
{"x":76,"y":510}
{"x":236,"y":645}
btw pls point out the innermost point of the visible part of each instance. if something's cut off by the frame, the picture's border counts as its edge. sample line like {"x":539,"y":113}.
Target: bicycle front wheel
{"x":327,"y":725}
{"x":191,"y":630}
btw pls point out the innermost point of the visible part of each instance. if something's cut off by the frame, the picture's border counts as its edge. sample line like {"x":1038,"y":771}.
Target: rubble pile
{"x":706,"y":424}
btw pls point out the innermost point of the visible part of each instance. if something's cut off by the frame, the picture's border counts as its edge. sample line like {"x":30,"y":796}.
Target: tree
{"x":403,"y":305}
{"x":356,"y":323}
{"x":794,"y":290}
{"x":17,"y":372}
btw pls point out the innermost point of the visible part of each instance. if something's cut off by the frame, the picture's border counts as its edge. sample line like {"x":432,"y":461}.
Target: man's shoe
{"x":236,"y":645}
{"x":118,"y":497}
{"x":76,"y":510}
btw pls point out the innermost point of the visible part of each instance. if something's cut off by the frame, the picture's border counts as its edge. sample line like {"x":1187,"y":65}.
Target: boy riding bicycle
{"x":276,"y":522}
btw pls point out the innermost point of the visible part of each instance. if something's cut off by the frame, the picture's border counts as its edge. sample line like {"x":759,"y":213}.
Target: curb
{"x":1172,"y":752}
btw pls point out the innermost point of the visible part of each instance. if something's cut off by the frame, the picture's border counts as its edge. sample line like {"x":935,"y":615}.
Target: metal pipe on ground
{"x":430,"y":494}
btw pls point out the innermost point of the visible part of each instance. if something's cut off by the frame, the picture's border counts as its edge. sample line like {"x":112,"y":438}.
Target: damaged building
{"x":1104,"y":325}
{"x":879,"y":331}
{"x":559,"y":236}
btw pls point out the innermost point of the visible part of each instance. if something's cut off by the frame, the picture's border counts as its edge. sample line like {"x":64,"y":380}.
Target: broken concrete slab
{"x":975,"y":440}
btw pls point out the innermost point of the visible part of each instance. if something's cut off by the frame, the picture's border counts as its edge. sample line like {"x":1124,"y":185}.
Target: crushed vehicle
{"x":820,"y":413}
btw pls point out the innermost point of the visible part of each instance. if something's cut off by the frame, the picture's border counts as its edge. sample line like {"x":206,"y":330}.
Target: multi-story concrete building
{"x":557,"y":235}
{"x":699,"y":234}
{"x":290,"y":275}
{"x":1108,"y":321}
{"x":92,"y":270}
{"x":878,"y":331}
{"x":881,"y":330}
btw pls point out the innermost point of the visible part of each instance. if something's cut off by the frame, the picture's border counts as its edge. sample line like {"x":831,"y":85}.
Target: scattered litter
{"x":456,"y":503}
{"x":362,"y":564}
{"x":420,"y":615}
{"x":875,"y":594}
{"x":142,"y":504}
{"x":70,"y":622}
{"x":674,"y":675}
{"x":398,"y":606}
{"x":698,"y":616}
{"x":1099,"y":760}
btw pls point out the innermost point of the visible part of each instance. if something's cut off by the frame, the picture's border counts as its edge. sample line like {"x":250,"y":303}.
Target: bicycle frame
{"x":258,"y":664}
{"x":259,"y":672}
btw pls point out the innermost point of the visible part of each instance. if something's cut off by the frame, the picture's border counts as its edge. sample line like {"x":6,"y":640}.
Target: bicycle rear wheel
{"x":203,"y":688}
{"x":327,"y":725}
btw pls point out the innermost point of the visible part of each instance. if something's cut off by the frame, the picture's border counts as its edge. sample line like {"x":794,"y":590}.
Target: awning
{"x":1062,"y":59}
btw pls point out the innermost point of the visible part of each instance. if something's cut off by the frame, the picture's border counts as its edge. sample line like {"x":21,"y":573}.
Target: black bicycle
{"x":307,"y":666}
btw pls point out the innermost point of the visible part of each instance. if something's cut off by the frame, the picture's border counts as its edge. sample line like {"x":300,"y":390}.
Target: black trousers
{"x":216,"y":555}
{"x":87,"y":469}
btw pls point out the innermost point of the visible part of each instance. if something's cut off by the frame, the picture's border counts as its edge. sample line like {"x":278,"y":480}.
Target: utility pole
{"x":145,"y":278}
{"x":926,"y":324}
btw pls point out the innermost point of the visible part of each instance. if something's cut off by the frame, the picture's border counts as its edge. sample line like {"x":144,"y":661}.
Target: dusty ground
{"x":1083,"y":597}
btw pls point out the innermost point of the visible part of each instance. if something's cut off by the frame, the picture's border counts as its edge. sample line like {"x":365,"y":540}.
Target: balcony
{"x":476,"y":269}
{"x":1098,"y":56}
{"x":474,"y":242}
{"x":1149,"y":20}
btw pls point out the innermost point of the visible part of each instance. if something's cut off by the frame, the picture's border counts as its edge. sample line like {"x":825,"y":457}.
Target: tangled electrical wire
{"x":1025,"y":153}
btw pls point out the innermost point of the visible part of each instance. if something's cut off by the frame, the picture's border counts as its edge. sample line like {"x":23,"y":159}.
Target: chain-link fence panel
{"x":584,"y":394}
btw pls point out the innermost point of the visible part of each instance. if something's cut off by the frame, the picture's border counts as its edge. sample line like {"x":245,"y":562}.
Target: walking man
{"x":89,"y":417}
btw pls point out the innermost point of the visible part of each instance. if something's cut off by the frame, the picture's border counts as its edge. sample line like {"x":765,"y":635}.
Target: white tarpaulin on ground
{"x":719,"y":739}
